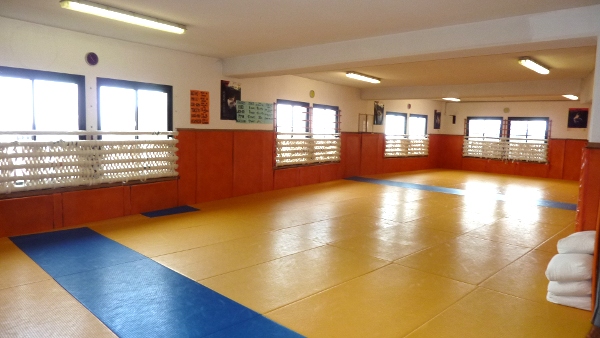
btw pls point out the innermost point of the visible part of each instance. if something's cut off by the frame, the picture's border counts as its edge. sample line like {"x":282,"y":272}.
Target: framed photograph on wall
{"x":437,"y":119}
{"x":578,"y":118}
{"x":231,"y":92}
{"x":378,"y":111}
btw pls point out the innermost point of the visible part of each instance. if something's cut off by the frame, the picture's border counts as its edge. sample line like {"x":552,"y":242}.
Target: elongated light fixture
{"x":453,"y":99}
{"x":533,"y":65}
{"x":122,"y":15}
{"x":571,"y":97}
{"x":361,"y":77}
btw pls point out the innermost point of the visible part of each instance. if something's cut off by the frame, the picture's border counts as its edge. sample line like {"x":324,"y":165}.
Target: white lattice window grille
{"x":513,"y":149}
{"x":405,"y":146}
{"x":529,"y":141}
{"x":306,"y":135}
{"x":34,"y":165}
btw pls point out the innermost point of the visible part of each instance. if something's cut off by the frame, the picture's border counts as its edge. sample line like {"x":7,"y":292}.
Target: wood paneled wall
{"x":218,"y":164}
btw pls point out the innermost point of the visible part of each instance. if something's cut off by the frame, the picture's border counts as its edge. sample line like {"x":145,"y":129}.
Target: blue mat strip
{"x":452,"y":191}
{"x":170,"y":211}
{"x":137,"y":297}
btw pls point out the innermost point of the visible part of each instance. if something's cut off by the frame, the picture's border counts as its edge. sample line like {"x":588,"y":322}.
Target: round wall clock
{"x":311,"y":93}
{"x":91,"y":59}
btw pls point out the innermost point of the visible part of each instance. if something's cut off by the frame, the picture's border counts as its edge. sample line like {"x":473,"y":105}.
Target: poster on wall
{"x":231,"y":92}
{"x":199,"y":107}
{"x":578,"y":118}
{"x":437,"y":119}
{"x":254,"y":112}
{"x":378,"y":117}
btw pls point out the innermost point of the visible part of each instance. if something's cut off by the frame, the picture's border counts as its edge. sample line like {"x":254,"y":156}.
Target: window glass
{"x":488,"y":129}
{"x":528,"y":130}
{"x":292,"y":117}
{"x":37,"y":100}
{"x":417,"y":125}
{"x":324,"y":121}
{"x":16,"y":106}
{"x":56,"y":108}
{"x":131,"y":106}
{"x":395,"y":123}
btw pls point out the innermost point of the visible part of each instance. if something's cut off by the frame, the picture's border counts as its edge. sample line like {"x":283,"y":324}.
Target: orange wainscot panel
{"x":331,"y":172}
{"x":80,"y":207}
{"x":286,"y":178}
{"x":451,"y":152}
{"x":556,"y":158}
{"x":309,"y":175}
{"x":214,"y":165}
{"x":26,"y":215}
{"x":186,"y":167}
{"x":572,"y":162}
{"x":532,"y":169}
{"x":435,"y":149}
{"x":268,"y":160}
{"x":153,"y":196}
{"x":474,"y":164}
{"x":58,"y":210}
{"x":351,"y":143}
{"x":248,"y":150}
{"x":501,"y":167}
{"x":369,"y":154}
{"x":589,"y":191}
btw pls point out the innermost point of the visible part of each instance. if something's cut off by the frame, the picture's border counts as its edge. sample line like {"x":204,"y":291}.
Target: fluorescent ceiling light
{"x":533,"y":65}
{"x":453,"y":99}
{"x":122,"y":15}
{"x":361,"y":77}
{"x":571,"y":97}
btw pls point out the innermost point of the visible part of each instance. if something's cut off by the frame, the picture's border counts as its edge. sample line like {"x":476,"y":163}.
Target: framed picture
{"x":578,"y":118}
{"x":231,"y":92}
{"x":437,"y":119}
{"x":378,"y":113}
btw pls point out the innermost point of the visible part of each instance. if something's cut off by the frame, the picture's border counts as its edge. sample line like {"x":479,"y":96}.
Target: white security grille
{"x":33,"y":165}
{"x":307,"y":148}
{"x":514,"y":149}
{"x":403,"y":146}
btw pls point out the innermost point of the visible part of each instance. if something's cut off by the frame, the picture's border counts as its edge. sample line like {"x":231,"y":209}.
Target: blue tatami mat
{"x":137,"y":297}
{"x":170,"y":211}
{"x":452,"y":191}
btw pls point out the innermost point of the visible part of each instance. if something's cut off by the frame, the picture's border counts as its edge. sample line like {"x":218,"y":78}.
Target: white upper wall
{"x":33,"y":46}
{"x":557,"y":112}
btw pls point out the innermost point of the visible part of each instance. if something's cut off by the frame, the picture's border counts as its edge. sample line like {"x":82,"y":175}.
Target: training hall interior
{"x":232,"y":179}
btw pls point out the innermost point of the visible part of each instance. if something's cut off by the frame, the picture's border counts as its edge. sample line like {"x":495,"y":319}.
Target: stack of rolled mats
{"x":570,"y":271}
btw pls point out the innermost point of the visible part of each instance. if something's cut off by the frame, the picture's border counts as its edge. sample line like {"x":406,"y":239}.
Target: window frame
{"x":32,"y":75}
{"x":135,"y":85}
{"x":419,"y":116}
{"x":295,"y":103}
{"x":546,"y":119}
{"x":312,"y":149}
{"x":496,"y":118}
{"x":324,"y":106}
{"x":405,"y":115}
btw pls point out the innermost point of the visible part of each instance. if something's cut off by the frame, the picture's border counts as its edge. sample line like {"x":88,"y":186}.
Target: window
{"x":417,"y":126}
{"x":523,"y":129}
{"x":36,"y":100}
{"x":520,"y":138}
{"x":483,"y":134}
{"x":306,"y":135}
{"x":400,"y":144}
{"x":484,"y":128}
{"x":130,"y":106}
{"x":395,"y":123}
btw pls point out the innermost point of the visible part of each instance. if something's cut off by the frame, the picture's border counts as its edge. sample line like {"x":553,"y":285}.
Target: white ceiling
{"x":229,"y":29}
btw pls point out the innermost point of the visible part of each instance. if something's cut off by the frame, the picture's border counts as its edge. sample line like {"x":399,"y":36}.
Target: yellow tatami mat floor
{"x":345,"y":259}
